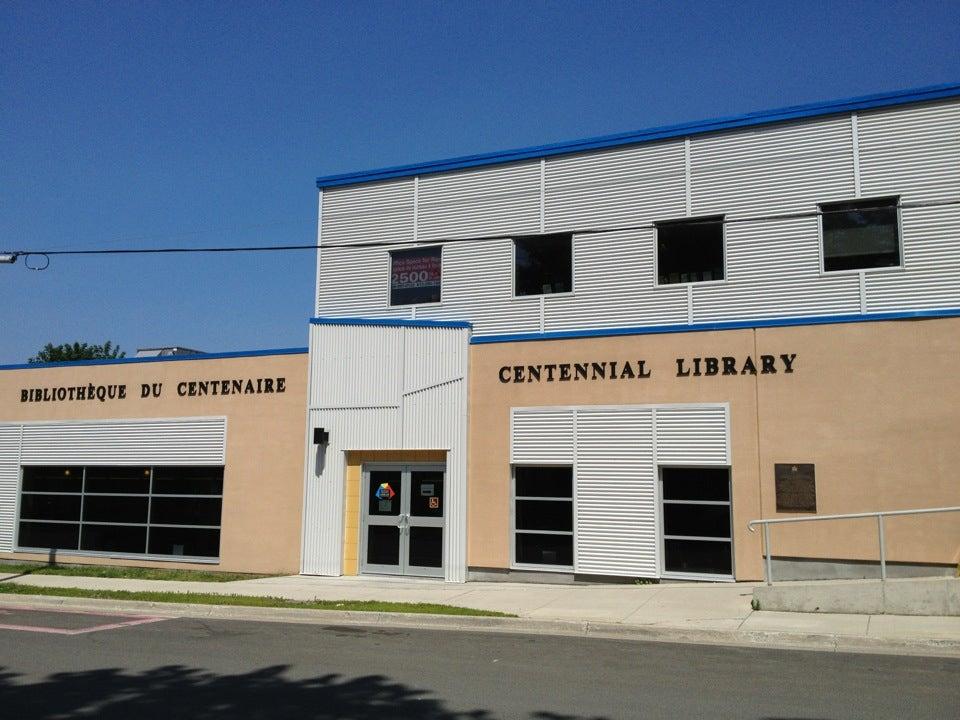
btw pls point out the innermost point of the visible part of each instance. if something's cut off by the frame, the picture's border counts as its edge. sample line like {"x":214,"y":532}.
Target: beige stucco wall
{"x":263,"y":475}
{"x":873,"y":405}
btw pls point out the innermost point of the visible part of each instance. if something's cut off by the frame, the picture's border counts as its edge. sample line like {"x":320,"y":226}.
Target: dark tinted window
{"x":115,"y":509}
{"x":544,"y":481}
{"x":188,"y":481}
{"x":860,"y":235}
{"x":698,"y":556}
{"x":690,"y":250}
{"x":118,"y":480}
{"x":50,"y":507}
{"x":185,"y":511}
{"x":697,"y":520}
{"x":695,"y":483}
{"x":60,"y":536}
{"x":113,"y":538}
{"x":184,"y":541}
{"x":544,"y":515}
{"x":52,"y":479}
{"x":543,"y":264}
{"x":415,"y":276}
{"x":537,"y":549}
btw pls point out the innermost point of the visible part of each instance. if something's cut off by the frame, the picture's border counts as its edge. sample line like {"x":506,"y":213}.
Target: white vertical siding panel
{"x":692,"y":435}
{"x":615,"y":187}
{"x":911,"y":151}
{"x":383,"y":388}
{"x":542,"y":436}
{"x":502,"y":199}
{"x":194,"y":441}
{"x":9,"y":479}
{"x":617,"y":530}
{"x":356,"y":365}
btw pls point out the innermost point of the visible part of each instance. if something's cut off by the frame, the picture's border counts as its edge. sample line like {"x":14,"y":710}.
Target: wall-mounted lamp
{"x":320,"y":436}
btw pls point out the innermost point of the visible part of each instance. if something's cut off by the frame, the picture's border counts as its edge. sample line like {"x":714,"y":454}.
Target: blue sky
{"x":141,"y":124}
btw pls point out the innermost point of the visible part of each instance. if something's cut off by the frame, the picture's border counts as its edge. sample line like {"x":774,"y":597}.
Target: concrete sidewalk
{"x":713,"y":612}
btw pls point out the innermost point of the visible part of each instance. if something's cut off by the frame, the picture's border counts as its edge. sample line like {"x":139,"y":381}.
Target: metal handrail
{"x":879,"y":515}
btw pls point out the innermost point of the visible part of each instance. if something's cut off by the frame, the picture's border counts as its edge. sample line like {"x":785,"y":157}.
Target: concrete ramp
{"x":910,"y":596}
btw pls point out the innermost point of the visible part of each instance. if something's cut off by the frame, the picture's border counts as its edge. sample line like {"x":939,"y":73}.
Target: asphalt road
{"x":215,"y":670}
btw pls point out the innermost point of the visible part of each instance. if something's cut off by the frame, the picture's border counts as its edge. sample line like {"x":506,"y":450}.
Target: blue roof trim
{"x":168,"y":358}
{"x":391,"y":322}
{"x":764,"y":117}
{"x":728,"y":325}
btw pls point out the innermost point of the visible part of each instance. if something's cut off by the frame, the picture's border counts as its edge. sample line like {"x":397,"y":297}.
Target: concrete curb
{"x":615,"y":631}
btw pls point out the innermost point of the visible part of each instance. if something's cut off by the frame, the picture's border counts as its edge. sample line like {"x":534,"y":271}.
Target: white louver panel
{"x":188,"y":441}
{"x":692,"y":435}
{"x":363,"y":213}
{"x":616,"y":187}
{"x":616,"y":516}
{"x":495,"y":200}
{"x":356,"y":366}
{"x":542,"y":436}
{"x":9,"y":479}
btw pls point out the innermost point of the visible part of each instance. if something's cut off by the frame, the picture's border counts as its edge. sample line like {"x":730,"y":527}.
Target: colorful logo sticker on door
{"x":384,"y":492}
{"x":434,"y":503}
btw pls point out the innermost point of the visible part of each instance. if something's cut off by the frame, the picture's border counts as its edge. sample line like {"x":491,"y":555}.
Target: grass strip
{"x":130,"y":573}
{"x":249,"y":601}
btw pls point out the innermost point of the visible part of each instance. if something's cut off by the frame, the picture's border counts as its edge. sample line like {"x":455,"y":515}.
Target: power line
{"x":713,"y":220}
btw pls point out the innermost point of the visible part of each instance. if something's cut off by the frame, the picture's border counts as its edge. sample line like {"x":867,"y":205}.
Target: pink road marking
{"x":81,"y":631}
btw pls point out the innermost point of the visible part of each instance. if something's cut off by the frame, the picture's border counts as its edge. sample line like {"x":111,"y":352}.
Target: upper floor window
{"x":415,"y":276}
{"x":861,"y":234}
{"x":689,"y":250}
{"x":543,"y":264}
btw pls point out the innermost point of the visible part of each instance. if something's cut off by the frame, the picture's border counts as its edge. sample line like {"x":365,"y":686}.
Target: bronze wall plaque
{"x":796,"y":487}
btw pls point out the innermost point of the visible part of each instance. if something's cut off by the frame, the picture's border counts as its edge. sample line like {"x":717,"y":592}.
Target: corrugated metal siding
{"x":383,"y":388}
{"x":915,"y":153}
{"x":615,"y":452}
{"x":9,"y":478}
{"x":616,"y":526}
{"x":487,"y":201}
{"x":931,"y":252}
{"x":542,"y":436}
{"x":692,"y":435}
{"x":911,"y":151}
{"x":194,"y":441}
{"x":773,"y":266}
{"x":622,"y":186}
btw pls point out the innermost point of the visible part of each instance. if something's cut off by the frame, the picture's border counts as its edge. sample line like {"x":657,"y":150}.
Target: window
{"x":543,"y":264}
{"x":697,"y":535}
{"x":415,"y":276}
{"x":860,"y":235}
{"x":168,"y":511}
{"x":543,"y":516}
{"x":689,"y":250}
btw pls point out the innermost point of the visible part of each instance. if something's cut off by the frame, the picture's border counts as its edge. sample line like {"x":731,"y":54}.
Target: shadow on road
{"x":176,"y":691}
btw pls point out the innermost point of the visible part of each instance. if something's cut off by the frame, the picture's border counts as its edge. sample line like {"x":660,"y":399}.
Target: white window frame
{"x":656,"y":252}
{"x":662,"y":549}
{"x":514,"y":564}
{"x":513,"y":268}
{"x":856,"y":271}
{"x":390,"y":275}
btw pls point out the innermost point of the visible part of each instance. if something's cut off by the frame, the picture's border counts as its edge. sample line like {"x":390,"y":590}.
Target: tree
{"x":77,"y":351}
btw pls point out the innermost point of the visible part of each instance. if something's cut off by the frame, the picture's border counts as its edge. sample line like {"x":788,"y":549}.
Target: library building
{"x":599,"y":360}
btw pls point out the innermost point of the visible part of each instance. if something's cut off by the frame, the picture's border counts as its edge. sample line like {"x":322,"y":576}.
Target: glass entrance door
{"x":403,"y":519}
